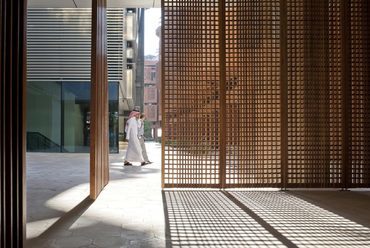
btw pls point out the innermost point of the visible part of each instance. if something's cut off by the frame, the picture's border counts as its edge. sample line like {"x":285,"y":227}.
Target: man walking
{"x":133,"y":153}
{"x":141,"y":138}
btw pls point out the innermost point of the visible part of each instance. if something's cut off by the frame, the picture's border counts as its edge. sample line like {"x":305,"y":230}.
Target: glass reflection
{"x":58,"y":116}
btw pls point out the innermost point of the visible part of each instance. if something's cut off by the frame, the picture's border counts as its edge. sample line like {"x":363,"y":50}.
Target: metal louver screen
{"x":59,"y":44}
{"x":266,"y":93}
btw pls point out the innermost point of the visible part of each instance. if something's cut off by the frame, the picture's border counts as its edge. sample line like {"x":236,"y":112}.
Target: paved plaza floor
{"x":128,"y":213}
{"x":133,"y":211}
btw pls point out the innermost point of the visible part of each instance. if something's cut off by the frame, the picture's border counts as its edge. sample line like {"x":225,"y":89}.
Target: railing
{"x":37,"y":142}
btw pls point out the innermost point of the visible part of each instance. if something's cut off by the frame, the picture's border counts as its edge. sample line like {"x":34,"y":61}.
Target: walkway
{"x":130,"y":211}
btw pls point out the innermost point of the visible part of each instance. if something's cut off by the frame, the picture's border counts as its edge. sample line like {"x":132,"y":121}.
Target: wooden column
{"x":284,"y":92}
{"x":366,"y":38}
{"x":99,"y":146}
{"x":346,"y":92}
{"x":162,"y":92}
{"x":222,"y":68}
{"x":12,"y":122}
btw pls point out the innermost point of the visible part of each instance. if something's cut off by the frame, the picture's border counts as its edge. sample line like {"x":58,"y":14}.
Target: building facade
{"x":59,"y":72}
{"x":152,"y":92}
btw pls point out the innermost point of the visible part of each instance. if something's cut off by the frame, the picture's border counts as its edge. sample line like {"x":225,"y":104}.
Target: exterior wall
{"x":151,"y":94}
{"x":139,"y":82}
{"x":59,"y":51}
{"x":134,"y":59}
{"x":59,"y":45}
{"x":152,"y":90}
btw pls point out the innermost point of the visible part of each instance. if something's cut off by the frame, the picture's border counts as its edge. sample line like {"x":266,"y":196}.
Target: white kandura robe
{"x":133,"y":153}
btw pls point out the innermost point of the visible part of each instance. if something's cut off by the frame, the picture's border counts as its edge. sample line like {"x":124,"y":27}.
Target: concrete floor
{"x":132,"y":211}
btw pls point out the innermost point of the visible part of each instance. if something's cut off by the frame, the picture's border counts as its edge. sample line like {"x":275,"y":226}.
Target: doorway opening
{"x":58,"y":110}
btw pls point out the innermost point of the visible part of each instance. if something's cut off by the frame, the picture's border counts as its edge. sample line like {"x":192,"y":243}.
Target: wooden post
{"x":222,"y":68}
{"x":163,"y":95}
{"x":346,"y":90}
{"x":284,"y":92}
{"x":13,"y":20}
{"x":99,"y":146}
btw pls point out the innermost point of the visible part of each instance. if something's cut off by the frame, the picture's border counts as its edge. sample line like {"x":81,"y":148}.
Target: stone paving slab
{"x":128,"y":213}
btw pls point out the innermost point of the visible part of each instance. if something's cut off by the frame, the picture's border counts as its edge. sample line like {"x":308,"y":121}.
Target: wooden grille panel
{"x":266,"y":93}
{"x":335,"y":95}
{"x":252,"y":93}
{"x":191,"y":99}
{"x":295,"y":49}
{"x":314,"y":91}
{"x":360,"y":91}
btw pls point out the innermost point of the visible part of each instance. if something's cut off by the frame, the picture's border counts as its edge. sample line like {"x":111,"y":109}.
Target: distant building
{"x":152,"y":83}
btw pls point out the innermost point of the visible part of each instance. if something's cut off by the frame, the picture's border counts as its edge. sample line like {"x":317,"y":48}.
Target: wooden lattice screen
{"x":191,"y":68}
{"x":268,"y":93}
{"x":314,"y":94}
{"x":359,"y":137}
{"x":252,"y":58}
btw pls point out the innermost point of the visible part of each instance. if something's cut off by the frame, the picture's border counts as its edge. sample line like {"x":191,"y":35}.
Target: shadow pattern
{"x":210,"y":219}
{"x":255,"y":219}
{"x":305,"y":224}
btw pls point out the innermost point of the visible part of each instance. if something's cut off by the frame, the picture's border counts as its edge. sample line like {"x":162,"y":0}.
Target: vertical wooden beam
{"x":222,"y":68}
{"x":163,"y":88}
{"x":99,"y":146}
{"x":284,"y":92}
{"x":346,"y":90}
{"x":13,"y":18}
{"x":325,"y":109}
{"x":366,"y":37}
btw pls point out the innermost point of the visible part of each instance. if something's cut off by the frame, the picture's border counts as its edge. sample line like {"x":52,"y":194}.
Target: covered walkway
{"x":132,"y":211}
{"x":128,"y":213}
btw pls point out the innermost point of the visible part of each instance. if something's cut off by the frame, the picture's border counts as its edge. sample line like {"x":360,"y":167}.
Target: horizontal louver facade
{"x":59,"y":44}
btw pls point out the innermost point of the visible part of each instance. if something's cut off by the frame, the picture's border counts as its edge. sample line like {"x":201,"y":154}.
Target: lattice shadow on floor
{"x":255,"y":219}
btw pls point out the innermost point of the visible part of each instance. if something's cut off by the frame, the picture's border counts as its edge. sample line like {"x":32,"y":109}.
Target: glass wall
{"x":58,"y":117}
{"x":75,"y":111}
{"x":44,"y":117}
{"x":113,"y":117}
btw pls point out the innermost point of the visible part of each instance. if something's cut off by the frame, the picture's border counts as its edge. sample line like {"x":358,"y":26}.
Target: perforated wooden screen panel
{"x":314,"y":94}
{"x":252,"y":93}
{"x":359,"y":168}
{"x":335,"y":96}
{"x":191,"y":93}
{"x":271,"y":93}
